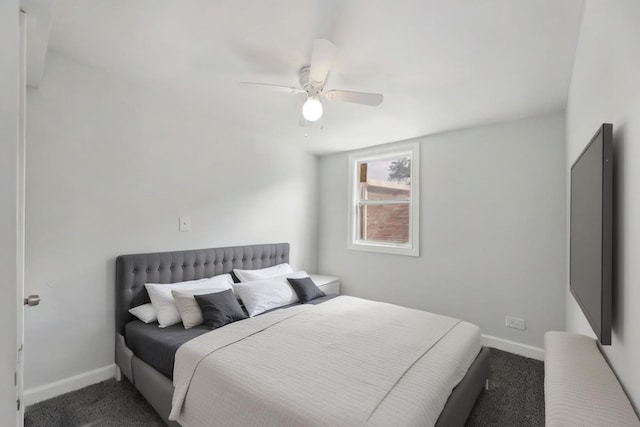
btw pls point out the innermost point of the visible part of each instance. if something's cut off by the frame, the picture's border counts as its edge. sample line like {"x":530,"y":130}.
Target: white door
{"x":22,"y":84}
{"x":9,"y":93}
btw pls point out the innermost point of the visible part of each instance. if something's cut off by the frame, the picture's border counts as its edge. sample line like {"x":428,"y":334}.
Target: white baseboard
{"x":513,"y":347}
{"x":47,"y":391}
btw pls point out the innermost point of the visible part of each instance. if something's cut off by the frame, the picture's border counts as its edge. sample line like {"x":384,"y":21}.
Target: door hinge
{"x":18,"y":404}
{"x":15,"y":378}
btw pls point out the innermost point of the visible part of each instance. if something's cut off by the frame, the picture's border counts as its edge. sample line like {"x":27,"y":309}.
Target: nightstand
{"x":327,"y":284}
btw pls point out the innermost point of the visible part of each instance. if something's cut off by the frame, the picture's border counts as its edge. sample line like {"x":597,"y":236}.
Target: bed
{"x":153,"y":378}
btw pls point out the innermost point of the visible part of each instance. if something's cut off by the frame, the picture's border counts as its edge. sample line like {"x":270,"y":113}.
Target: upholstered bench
{"x":580,"y":389}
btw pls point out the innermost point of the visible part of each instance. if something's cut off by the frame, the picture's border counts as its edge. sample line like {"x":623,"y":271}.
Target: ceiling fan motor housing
{"x":312,"y":88}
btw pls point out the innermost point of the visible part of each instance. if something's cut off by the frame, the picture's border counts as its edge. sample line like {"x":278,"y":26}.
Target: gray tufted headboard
{"x":133,"y":271}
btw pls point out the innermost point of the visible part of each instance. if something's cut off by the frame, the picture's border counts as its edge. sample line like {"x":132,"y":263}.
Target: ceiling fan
{"x":312,"y":83}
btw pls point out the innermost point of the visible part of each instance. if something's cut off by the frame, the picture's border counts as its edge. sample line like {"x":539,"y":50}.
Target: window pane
{"x":385,"y":179}
{"x":384,"y":223}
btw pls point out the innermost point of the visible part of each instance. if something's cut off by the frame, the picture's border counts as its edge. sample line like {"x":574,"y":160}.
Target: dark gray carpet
{"x":515,"y":398}
{"x":107,"y":404}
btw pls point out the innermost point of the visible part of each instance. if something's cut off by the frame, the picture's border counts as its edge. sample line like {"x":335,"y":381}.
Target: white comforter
{"x":346,"y":362}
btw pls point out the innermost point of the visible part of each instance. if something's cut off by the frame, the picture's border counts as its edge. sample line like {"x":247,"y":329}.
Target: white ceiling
{"x":441,"y":64}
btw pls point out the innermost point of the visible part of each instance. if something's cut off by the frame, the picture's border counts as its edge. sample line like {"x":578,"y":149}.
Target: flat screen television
{"x":591,"y":232}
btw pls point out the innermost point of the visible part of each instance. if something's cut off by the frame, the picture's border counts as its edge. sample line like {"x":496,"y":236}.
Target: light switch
{"x":185,"y":223}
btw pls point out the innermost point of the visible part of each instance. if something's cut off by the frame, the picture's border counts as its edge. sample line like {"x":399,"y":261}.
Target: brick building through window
{"x":386,"y":223}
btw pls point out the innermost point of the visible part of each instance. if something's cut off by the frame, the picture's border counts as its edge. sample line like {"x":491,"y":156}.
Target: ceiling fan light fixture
{"x":312,"y":109}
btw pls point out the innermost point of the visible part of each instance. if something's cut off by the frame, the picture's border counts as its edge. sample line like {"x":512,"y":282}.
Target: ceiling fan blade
{"x":277,"y":88}
{"x":321,"y":59}
{"x":373,"y":99}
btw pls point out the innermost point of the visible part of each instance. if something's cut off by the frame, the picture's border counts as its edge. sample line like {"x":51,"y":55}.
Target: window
{"x":383,"y":214}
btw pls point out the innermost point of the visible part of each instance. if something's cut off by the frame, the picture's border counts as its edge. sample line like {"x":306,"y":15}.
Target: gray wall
{"x":110,"y":168}
{"x":492,"y":230}
{"x":605,"y":87}
{"x":8,"y":191}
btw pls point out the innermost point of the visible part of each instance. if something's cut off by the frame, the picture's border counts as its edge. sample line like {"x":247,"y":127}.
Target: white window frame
{"x":412,"y":247}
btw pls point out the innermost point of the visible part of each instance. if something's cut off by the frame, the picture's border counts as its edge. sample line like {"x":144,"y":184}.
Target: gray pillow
{"x":220,"y":308}
{"x":306,"y":289}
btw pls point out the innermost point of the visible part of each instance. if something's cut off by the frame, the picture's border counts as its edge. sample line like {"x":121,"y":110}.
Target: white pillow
{"x":263,"y":273}
{"x":144,"y":312}
{"x":188,"y":306}
{"x":162,"y":300}
{"x":262,"y":295}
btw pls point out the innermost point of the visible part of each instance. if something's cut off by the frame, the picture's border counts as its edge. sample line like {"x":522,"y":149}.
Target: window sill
{"x":390,"y":249}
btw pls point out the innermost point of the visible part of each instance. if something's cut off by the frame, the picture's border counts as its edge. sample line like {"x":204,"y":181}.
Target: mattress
{"x":348,"y":362}
{"x":157,"y":346}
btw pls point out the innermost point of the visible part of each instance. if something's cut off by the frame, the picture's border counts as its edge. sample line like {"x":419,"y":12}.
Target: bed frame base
{"x":156,"y":388}
{"x":464,"y":395}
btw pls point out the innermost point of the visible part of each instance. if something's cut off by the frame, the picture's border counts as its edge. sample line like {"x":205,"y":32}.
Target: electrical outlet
{"x":514,"y":322}
{"x":185,"y":223}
